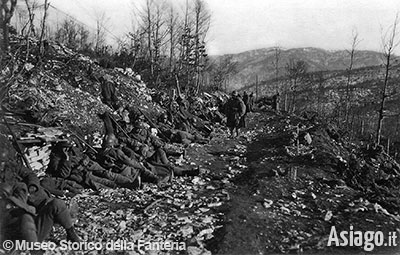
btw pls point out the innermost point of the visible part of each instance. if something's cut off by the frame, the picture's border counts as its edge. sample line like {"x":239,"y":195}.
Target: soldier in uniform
{"x":251,"y":102}
{"x":235,"y":110}
{"x":113,"y":158}
{"x":28,"y":211}
{"x":108,"y":92}
{"x":275,"y":102}
{"x":246,"y":101}
{"x":66,"y":162}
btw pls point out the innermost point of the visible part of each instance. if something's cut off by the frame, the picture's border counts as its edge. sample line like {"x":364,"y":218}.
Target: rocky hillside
{"x":261,"y":62}
{"x":64,"y":88}
{"x":325,"y":92}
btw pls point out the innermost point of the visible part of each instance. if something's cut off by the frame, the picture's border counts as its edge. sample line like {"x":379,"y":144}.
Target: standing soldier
{"x":235,"y":110}
{"x":251,"y":102}
{"x":108,"y":92}
{"x":246,"y":101}
{"x":275,"y":102}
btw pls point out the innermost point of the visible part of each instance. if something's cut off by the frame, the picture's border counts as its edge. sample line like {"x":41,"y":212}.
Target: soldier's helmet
{"x":5,"y":190}
{"x":60,"y":146}
{"x":163,"y":117}
{"x":65,"y":144}
{"x":107,"y":77}
{"x":110,"y":141}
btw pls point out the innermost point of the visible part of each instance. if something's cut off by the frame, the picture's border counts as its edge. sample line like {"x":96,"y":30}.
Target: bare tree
{"x":160,"y":33}
{"x":319,"y":79}
{"x":68,"y":33}
{"x":389,"y":44}
{"x":101,"y":27}
{"x":351,"y":52}
{"x":7,"y":8}
{"x":172,"y":31}
{"x":296,"y":71}
{"x":202,"y":24}
{"x":31,"y":18}
{"x":83,"y":35}
{"x":43,"y":27}
{"x":193,"y":56}
{"x":220,"y":72}
{"x":153,"y":23}
{"x":275,"y":62}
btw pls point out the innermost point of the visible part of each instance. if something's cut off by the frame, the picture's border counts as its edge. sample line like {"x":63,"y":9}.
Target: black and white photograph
{"x":199,"y":127}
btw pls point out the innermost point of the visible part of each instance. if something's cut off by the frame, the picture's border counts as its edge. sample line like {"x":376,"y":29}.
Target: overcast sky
{"x":241,"y":25}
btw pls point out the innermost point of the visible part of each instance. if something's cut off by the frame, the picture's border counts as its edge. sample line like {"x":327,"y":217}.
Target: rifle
{"x":154,"y":125}
{"x":118,"y":126}
{"x":83,"y":141}
{"x":17,"y":145}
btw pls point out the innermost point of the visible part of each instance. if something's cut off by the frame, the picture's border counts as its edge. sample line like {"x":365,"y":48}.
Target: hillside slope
{"x":261,"y":62}
{"x":325,"y":92}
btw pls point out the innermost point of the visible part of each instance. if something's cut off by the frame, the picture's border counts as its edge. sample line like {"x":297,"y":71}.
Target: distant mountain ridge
{"x":260,"y":62}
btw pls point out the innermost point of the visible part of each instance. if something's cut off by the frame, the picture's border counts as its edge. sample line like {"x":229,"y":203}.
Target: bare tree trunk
{"x":286,"y":101}
{"x":172,"y":22}
{"x":5,"y":41}
{"x":257,"y":87}
{"x":178,"y":87}
{"x":7,"y":8}
{"x":277,"y":56}
{"x":292,"y":104}
{"x":196,"y":50}
{"x":43,"y":29}
{"x":149,"y":32}
{"x":349,"y":72}
{"x":31,"y":28}
{"x":389,"y":45}
{"x":383,"y":99}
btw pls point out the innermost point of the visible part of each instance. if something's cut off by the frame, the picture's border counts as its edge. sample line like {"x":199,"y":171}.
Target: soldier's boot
{"x":193,"y":172}
{"x":148,"y":176}
{"x":72,"y":236}
{"x":28,"y":228}
{"x":132,"y":184}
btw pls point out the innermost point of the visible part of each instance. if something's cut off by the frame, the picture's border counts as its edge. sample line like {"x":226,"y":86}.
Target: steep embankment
{"x":64,"y":88}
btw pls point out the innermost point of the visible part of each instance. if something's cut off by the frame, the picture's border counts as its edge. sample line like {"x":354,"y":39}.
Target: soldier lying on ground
{"x":159,"y":160}
{"x":29,"y":212}
{"x":178,"y":136}
{"x":213,"y":113}
{"x":185,"y":121}
{"x":60,"y":187}
{"x":143,"y":145}
{"x":140,"y":144}
{"x":68,"y":163}
{"x":153,"y":155}
{"x":177,"y":118}
{"x":113,"y":158}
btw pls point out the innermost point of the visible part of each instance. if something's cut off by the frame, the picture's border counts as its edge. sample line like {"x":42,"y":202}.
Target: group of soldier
{"x":236,"y":109}
{"x":135,"y":150}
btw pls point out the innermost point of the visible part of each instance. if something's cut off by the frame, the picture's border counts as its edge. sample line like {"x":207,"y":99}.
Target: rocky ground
{"x":273,"y":211}
{"x":247,"y":200}
{"x":278,"y":188}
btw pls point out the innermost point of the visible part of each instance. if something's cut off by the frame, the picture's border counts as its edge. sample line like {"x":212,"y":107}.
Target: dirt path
{"x":269,"y":212}
{"x":242,"y":203}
